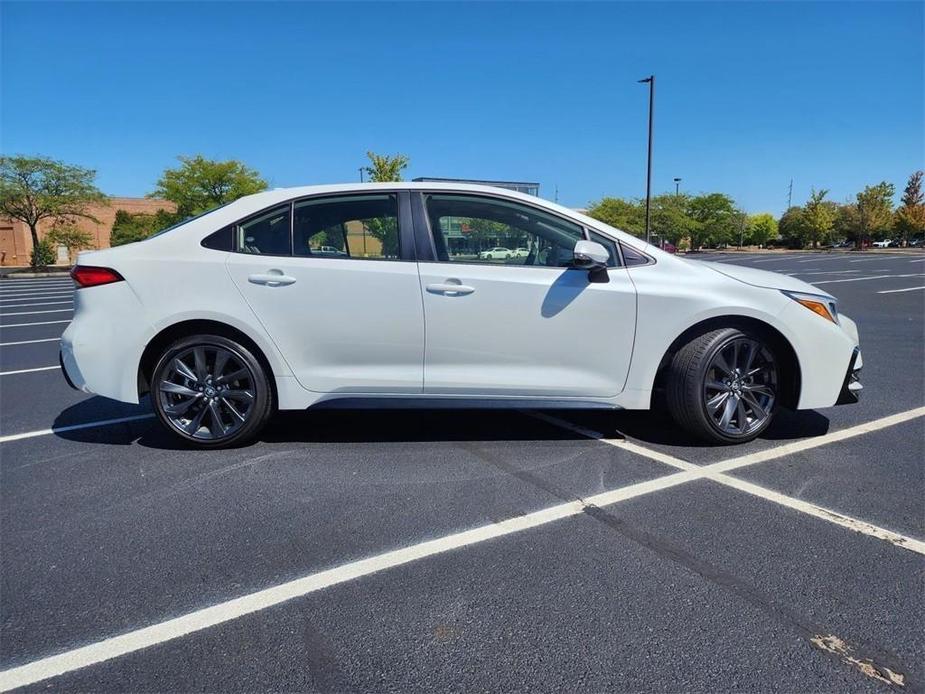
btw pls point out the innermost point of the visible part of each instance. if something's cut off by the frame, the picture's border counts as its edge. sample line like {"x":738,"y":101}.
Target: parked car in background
{"x":882,"y":244}
{"x":229,"y":316}
{"x":520,"y":253}
{"x":497,"y":253}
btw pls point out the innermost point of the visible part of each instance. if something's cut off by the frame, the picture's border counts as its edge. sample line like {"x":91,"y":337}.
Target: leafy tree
{"x":43,"y":254}
{"x":66,"y":233}
{"x":33,"y":189}
{"x":199,"y":184}
{"x":761,"y":228}
{"x":910,"y":217}
{"x":718,"y":220}
{"x":792,"y":227}
{"x":873,"y":212}
{"x":818,"y":218}
{"x":626,"y":215}
{"x":128,"y":227}
{"x":384,"y":168}
{"x":670,"y":217}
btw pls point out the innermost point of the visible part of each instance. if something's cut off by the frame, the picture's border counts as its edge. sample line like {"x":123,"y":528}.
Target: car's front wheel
{"x":211,"y":391}
{"x":723,"y":386}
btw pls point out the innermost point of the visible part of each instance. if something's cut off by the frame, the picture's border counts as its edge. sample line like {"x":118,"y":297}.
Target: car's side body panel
{"x":618,"y":332}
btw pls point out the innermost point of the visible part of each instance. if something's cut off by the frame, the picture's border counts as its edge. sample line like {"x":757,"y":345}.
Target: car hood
{"x":761,"y":278}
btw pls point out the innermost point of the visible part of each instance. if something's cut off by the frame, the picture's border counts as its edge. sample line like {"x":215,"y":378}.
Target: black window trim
{"x":406,"y":238}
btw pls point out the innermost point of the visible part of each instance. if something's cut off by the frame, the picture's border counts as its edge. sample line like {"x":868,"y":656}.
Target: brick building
{"x":16,"y":241}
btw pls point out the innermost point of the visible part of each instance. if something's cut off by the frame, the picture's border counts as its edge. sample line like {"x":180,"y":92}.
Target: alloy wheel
{"x":740,"y":388}
{"x":207,"y":392}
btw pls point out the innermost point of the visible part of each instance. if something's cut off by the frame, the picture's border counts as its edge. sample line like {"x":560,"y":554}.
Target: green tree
{"x":199,"y":184}
{"x":670,"y":217}
{"x":718,"y":220}
{"x":626,"y":215}
{"x":873,"y":213}
{"x":66,"y":233}
{"x":384,"y":168}
{"x":33,"y":189}
{"x":818,"y":218}
{"x":761,"y":228}
{"x":128,"y":227}
{"x":910,"y":217}
{"x":792,"y":227}
{"x":43,"y":254}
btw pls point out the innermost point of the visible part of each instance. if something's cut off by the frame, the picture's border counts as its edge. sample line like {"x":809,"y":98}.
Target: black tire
{"x":252,"y":399}
{"x":694,"y":366}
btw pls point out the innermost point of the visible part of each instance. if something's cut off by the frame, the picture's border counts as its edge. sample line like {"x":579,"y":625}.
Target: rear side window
{"x":266,"y":234}
{"x":355,"y":226}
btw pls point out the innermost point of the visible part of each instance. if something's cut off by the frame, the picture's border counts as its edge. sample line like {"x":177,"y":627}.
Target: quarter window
{"x":268,"y":234}
{"x":474,"y":229}
{"x":356,"y":226}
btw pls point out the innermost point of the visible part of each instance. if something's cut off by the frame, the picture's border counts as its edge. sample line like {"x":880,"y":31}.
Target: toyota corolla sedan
{"x":236,"y":313}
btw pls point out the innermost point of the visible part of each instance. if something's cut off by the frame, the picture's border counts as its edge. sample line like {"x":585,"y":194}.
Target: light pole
{"x":361,"y":173}
{"x":677,"y":187}
{"x":651,"y":80}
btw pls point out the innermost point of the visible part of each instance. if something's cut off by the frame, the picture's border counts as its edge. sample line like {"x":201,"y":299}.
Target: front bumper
{"x":851,"y":388}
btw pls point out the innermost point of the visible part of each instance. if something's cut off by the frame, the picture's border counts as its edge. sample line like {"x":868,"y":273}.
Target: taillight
{"x":89,"y":276}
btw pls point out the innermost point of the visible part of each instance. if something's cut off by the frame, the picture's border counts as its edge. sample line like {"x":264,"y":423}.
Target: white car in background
{"x":520,"y":253}
{"x":229,"y":316}
{"x":497,"y":253}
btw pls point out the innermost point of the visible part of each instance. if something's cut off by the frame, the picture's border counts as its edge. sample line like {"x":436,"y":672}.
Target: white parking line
{"x":882,"y":257}
{"x":44,"y":292}
{"x":72,"y":427}
{"x":783,"y":257}
{"x":23,"y":325}
{"x":41,"y":303}
{"x":894,"y":291}
{"x":715,"y":471}
{"x":34,"y":313}
{"x":29,"y":371}
{"x":30,"y":342}
{"x":872,"y":277}
{"x":823,"y":272}
{"x":146,"y":637}
{"x":918,"y":260}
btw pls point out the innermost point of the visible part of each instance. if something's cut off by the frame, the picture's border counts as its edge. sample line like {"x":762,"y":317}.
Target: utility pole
{"x":790,"y":194}
{"x":651,"y":81}
{"x":361,"y":174}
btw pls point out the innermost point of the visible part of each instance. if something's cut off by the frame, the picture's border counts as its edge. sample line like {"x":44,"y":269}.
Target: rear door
{"x":333,"y":281}
{"x":517,"y":324}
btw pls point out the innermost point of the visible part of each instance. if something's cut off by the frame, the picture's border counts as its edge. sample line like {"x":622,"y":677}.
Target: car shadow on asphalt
{"x":373,"y":426}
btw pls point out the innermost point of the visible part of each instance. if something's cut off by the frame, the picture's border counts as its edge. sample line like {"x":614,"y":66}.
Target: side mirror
{"x":590,"y":255}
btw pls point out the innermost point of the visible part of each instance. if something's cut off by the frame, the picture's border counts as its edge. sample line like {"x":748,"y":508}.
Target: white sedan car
{"x":497,"y":253}
{"x":229,"y":316}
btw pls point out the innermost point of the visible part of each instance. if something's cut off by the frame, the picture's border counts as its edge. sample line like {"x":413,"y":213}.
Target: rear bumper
{"x":851,"y":387}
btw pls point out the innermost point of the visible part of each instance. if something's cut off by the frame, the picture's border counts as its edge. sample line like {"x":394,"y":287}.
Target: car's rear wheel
{"x":723,"y":386}
{"x":211,"y":391}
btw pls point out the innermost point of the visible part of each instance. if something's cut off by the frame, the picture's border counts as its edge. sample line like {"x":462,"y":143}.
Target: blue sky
{"x":748,"y":94}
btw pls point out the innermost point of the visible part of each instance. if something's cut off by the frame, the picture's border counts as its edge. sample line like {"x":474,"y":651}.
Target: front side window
{"x":475,"y":229}
{"x":356,"y":226}
{"x":266,"y":234}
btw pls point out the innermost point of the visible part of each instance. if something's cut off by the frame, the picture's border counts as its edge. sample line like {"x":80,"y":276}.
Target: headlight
{"x":823,"y":306}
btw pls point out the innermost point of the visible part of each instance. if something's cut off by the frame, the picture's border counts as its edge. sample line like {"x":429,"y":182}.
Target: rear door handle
{"x":450,"y":289}
{"x":273,"y":278}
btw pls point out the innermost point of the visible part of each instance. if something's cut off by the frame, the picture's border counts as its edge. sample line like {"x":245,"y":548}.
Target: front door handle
{"x":450,"y":288}
{"x":273,"y":278}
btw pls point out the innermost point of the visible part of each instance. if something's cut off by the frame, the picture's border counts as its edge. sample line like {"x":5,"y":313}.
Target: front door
{"x":326,"y":278}
{"x":505,"y":312}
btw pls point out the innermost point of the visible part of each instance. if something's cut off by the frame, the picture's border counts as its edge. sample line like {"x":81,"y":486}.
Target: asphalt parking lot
{"x":498,"y":551}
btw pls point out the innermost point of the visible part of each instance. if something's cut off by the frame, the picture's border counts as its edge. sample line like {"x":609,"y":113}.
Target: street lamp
{"x":361,"y":173}
{"x":651,"y":81}
{"x":677,"y":187}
